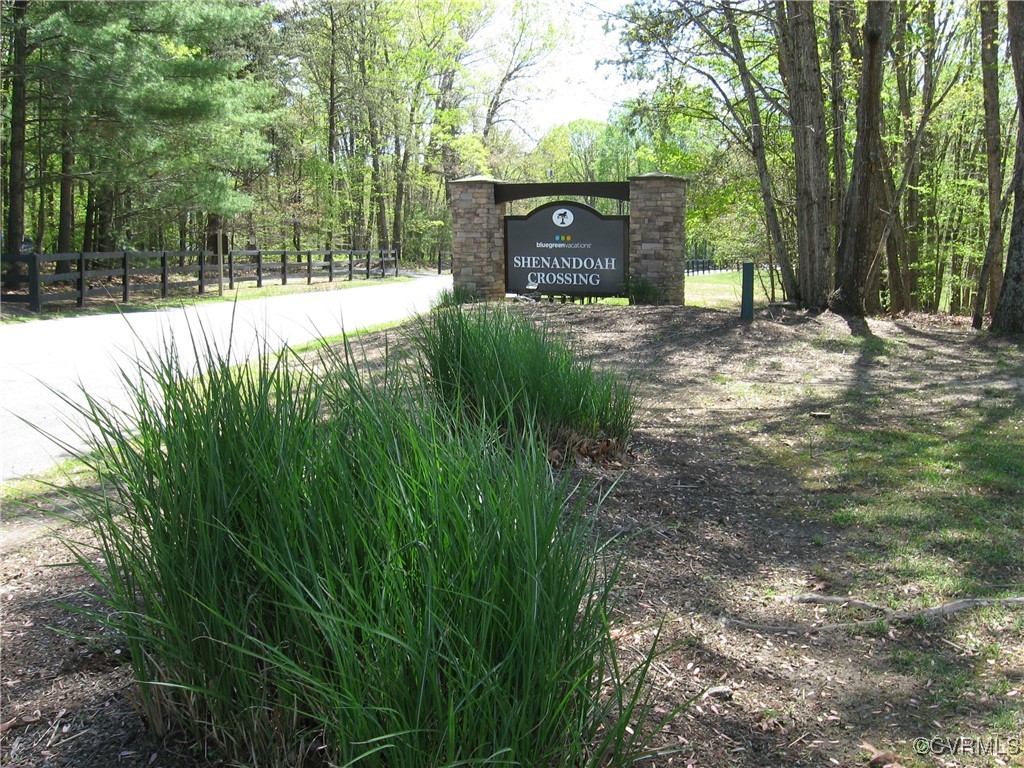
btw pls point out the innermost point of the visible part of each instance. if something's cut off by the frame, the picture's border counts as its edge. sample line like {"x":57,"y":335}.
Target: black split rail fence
{"x":62,"y":277}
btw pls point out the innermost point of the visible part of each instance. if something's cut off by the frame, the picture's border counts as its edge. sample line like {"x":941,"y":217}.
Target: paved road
{"x":42,"y":358}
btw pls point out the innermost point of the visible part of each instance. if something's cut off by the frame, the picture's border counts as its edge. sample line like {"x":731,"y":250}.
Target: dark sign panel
{"x":566,"y":249}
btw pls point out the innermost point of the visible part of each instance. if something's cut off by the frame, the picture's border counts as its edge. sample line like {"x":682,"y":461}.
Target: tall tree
{"x":755,"y":131}
{"x":801,"y":68}
{"x":1009,"y":314}
{"x":990,"y":278}
{"x":837,"y":101}
{"x":16,"y":147}
{"x":526,"y":39}
{"x":145,"y":107}
{"x":861,"y":217}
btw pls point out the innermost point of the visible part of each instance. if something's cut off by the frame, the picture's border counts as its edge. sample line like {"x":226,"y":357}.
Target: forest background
{"x":863,"y":151}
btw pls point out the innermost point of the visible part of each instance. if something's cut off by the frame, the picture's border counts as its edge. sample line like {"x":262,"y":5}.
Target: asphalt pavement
{"x":41,"y":360}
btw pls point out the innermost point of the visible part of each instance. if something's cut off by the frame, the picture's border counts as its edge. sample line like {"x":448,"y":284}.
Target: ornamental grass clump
{"x":311,"y":566}
{"x":499,"y":367}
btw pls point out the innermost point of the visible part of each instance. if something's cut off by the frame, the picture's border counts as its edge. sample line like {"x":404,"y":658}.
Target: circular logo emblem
{"x":562,"y":217}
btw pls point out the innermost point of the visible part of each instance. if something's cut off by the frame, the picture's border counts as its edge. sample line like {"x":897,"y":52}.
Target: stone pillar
{"x":478,"y":238}
{"x":657,"y":233}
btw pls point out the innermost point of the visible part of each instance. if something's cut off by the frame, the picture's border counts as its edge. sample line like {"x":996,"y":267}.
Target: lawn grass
{"x":722,"y":290}
{"x":931,"y":502}
{"x":945,"y":493}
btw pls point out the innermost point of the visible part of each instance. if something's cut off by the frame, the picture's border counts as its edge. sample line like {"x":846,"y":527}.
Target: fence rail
{"x":697,"y":266}
{"x":126,"y":272}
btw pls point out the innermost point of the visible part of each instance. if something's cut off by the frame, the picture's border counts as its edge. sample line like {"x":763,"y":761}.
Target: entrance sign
{"x":567,"y":249}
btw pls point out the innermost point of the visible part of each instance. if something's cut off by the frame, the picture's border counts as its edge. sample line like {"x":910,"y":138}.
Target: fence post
{"x":164,"y":277}
{"x":231,"y":270}
{"x":330,"y":266}
{"x":259,"y":269}
{"x":202,"y":271}
{"x":396,"y":263}
{"x":284,"y":267}
{"x":350,"y":266}
{"x":439,"y":261}
{"x":309,"y":267}
{"x":125,"y":275}
{"x":35,"y":302}
{"x":81,"y":278}
{"x":367,"y":264}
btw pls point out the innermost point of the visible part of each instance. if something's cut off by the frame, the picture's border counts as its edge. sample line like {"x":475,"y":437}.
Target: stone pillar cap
{"x":476,"y":179}
{"x":658,"y":175}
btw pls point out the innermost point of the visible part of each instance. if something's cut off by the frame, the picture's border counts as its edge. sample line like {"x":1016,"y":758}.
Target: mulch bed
{"x":714,"y":537}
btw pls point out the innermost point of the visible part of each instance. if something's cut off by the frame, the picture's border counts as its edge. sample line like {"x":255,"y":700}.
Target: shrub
{"x":309,"y":565}
{"x":643,"y":291}
{"x":499,"y":367}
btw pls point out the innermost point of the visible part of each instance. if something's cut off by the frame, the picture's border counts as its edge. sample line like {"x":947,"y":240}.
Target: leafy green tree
{"x":752,"y":71}
{"x":149,"y":108}
{"x":713,"y":43}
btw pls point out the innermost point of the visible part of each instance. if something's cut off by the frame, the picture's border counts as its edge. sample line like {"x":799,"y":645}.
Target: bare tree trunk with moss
{"x":1009,"y":314}
{"x":857,"y":247}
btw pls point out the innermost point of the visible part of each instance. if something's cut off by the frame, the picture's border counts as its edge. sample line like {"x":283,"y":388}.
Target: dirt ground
{"x":717,"y":538}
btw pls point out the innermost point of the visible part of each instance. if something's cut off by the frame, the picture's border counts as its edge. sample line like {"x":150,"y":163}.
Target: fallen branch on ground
{"x":886,"y":614}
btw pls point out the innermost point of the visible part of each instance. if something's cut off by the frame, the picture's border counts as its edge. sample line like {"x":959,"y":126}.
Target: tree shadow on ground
{"x":738,"y":496}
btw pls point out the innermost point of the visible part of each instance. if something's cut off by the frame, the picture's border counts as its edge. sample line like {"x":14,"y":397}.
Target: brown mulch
{"x":711,"y":532}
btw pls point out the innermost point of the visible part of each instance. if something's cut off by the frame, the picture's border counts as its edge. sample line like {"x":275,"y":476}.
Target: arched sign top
{"x":572,"y":209}
{"x":566,"y":248}
{"x":613,"y":190}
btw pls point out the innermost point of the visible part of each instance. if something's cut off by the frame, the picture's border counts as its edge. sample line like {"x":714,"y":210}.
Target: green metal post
{"x":747,"y":300}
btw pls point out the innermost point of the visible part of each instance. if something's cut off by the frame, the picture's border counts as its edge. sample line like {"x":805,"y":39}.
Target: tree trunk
{"x":890,"y":234}
{"x":837,"y":99}
{"x":990,"y":279}
{"x":402,"y":161}
{"x":215,"y":224}
{"x":1009,"y":314}
{"x":856,"y":249}
{"x":904,"y":66}
{"x":377,"y":188}
{"x":182,"y":238}
{"x":333,"y":139}
{"x":89,"y":227}
{"x":798,"y":52}
{"x":756,"y":138}
{"x":66,"y":223}
{"x":105,"y":220}
{"x":16,"y":146}
{"x":42,"y":161}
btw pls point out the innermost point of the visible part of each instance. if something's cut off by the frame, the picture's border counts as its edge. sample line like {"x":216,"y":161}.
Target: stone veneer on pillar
{"x":657,"y":233}
{"x":478,"y":238}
